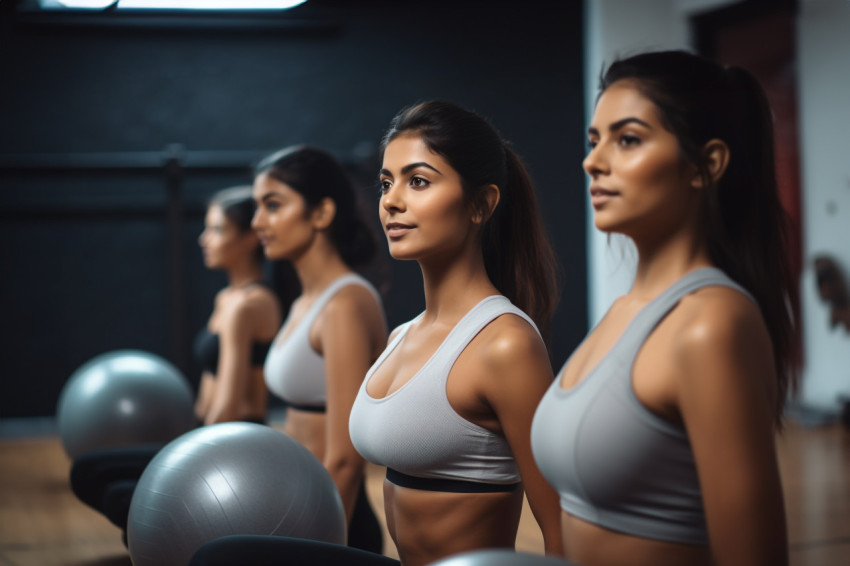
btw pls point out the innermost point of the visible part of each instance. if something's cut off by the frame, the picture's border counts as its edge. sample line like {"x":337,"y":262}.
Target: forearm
{"x":347,"y":474}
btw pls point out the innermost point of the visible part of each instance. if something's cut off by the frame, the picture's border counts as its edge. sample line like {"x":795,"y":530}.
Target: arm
{"x":352,"y":329}
{"x":725,"y":395}
{"x":234,"y":364}
{"x":205,"y":392}
{"x":520,"y":374}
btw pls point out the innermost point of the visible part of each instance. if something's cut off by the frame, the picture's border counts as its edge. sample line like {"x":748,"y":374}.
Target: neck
{"x":454,"y":285}
{"x":244,"y":274}
{"x":319,"y":266}
{"x":663,"y":261}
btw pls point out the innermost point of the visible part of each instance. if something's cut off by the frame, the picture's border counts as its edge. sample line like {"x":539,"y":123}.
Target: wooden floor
{"x":43,"y":524}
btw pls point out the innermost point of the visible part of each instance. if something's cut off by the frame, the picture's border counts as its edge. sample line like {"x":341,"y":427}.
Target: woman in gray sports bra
{"x":658,"y":433}
{"x":307,"y":213}
{"x":447,"y":407}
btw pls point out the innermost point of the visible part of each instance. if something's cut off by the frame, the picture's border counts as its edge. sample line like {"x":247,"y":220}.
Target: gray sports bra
{"x":415,"y":431}
{"x":294,"y":371}
{"x":615,"y":463}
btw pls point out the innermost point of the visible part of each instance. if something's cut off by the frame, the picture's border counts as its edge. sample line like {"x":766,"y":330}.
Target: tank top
{"x":415,"y":430}
{"x":294,"y":371}
{"x":614,"y":462}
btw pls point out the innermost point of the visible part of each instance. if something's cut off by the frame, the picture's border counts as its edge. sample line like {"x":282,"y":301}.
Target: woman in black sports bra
{"x":246,"y":316}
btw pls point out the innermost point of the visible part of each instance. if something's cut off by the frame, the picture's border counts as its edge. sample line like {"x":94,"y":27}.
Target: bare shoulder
{"x":508,"y":342}
{"x":255,"y":310}
{"x":352,"y":302}
{"x":715,"y":316}
{"x":720,"y":334}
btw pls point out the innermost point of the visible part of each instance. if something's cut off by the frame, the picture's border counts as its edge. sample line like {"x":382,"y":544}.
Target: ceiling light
{"x":210,"y":4}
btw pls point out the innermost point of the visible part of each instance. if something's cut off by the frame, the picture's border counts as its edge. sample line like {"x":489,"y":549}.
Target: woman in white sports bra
{"x":448,"y":406}
{"x":307,"y":213}
{"x":659,"y":431}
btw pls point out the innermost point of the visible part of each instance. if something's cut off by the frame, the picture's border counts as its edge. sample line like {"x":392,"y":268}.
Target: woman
{"x":246,"y":316}
{"x":659,"y":431}
{"x":306,"y":213}
{"x":448,"y":406}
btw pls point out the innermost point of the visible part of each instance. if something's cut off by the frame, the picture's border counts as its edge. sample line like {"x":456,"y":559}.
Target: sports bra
{"x":416,"y":433}
{"x":207,"y":348}
{"x":615,"y":463}
{"x":294,"y":371}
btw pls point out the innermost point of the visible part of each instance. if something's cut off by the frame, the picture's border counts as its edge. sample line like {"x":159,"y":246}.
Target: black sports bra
{"x":206,"y":350}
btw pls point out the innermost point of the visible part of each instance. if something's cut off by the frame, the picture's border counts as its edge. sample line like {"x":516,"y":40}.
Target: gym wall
{"x":100,"y":212}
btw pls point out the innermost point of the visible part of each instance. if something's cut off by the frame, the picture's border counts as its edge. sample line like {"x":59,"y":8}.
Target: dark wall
{"x":86,"y":263}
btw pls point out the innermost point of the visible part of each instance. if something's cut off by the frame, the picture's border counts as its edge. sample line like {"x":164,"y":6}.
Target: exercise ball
{"x":499,"y":557}
{"x":123,"y":398}
{"x":234,"y":478}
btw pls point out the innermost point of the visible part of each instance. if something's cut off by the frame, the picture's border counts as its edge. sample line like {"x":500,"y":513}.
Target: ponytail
{"x":517,"y":254}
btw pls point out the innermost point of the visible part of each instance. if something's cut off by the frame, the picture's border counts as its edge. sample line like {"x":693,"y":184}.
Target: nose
{"x":256,"y":219}
{"x":201,"y":237}
{"x":392,"y":200}
{"x":595,"y":163}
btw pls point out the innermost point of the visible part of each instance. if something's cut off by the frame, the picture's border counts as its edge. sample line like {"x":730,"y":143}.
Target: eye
{"x":272,"y":205}
{"x":591,"y":143}
{"x":383,"y":186}
{"x":418,"y":182}
{"x":627,"y":140}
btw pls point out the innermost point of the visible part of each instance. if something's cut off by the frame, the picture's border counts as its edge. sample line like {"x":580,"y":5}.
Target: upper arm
{"x":518,"y":374}
{"x":238,"y":326}
{"x":352,"y":330}
{"x":725,"y":395}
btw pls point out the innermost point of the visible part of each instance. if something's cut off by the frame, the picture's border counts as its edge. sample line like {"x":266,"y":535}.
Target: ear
{"x":323,"y":214}
{"x":485,"y":204}
{"x":715,"y":156}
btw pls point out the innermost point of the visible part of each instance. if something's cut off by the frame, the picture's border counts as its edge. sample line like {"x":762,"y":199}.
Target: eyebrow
{"x":270,"y":195}
{"x":619,"y":124}
{"x":408,"y":168}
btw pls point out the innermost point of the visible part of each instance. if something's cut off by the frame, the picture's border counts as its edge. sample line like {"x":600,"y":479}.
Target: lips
{"x":397,"y":229}
{"x":599,"y":196}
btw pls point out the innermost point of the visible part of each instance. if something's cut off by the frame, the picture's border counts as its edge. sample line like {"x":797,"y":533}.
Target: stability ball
{"x":123,"y":398}
{"x":234,"y":478}
{"x":499,"y":557}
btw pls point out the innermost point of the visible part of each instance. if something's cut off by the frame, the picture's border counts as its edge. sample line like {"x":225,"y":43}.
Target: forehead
{"x":621,"y":100}
{"x":215,"y":214}
{"x":409,"y":148}
{"x":265,"y":184}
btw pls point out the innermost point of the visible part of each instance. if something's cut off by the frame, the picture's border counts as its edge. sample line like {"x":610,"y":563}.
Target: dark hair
{"x":238,"y":205}
{"x":743,"y":220}
{"x":316,"y":175}
{"x":517,"y":255}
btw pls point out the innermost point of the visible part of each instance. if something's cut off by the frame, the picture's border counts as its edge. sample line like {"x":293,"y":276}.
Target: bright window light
{"x":92,"y":4}
{"x":210,"y":4}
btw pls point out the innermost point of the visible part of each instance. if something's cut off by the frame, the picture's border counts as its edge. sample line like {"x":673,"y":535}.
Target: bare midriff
{"x":429,"y":525}
{"x":591,"y":545}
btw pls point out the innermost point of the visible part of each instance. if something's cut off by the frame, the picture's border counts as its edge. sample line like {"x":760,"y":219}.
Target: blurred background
{"x":116,"y":125}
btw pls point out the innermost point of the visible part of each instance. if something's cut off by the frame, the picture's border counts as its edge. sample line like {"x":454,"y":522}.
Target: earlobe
{"x":324,"y":213}
{"x":486,"y":204}
{"x":715,"y":155}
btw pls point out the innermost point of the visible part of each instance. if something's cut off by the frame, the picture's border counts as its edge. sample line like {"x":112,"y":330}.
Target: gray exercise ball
{"x":499,"y":557}
{"x":122,"y":398}
{"x":233,"y":478}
